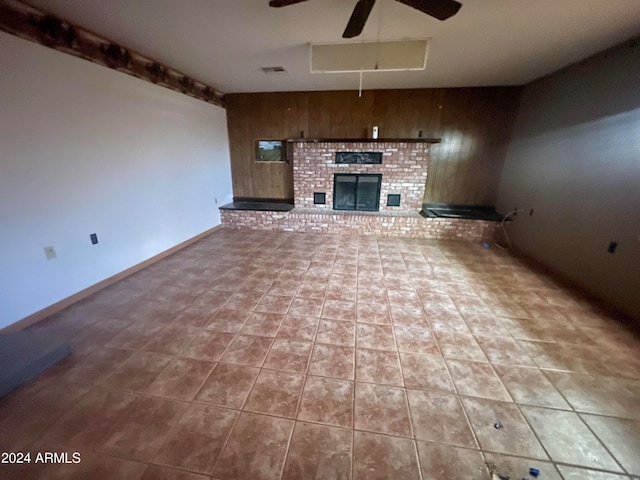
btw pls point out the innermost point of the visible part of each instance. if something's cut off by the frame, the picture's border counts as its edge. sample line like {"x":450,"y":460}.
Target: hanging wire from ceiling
{"x":361,"y":63}
{"x":380,"y":11}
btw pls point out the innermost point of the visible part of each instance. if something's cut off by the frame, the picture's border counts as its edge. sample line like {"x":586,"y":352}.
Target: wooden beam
{"x":27,"y":22}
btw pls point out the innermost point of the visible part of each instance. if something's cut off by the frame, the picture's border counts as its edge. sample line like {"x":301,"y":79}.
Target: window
{"x":356,"y":191}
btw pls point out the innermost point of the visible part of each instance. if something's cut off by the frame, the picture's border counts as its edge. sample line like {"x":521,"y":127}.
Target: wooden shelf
{"x":364,"y":140}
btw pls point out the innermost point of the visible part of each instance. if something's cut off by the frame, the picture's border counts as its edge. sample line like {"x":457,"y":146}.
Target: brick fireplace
{"x":402,"y":173}
{"x":403,"y":169}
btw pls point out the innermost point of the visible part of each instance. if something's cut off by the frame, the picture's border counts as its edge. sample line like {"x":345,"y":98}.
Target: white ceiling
{"x":225,"y":42}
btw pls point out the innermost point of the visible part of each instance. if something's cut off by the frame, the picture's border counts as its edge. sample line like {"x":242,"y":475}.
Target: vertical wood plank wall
{"x":474,"y":124}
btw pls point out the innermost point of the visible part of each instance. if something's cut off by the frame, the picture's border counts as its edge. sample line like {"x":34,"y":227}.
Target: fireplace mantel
{"x":364,"y":140}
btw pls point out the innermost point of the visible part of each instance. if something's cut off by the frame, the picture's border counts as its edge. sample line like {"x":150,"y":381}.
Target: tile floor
{"x":253,"y":355}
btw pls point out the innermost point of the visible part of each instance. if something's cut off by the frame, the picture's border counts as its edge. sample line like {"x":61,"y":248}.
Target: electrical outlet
{"x":50,"y":253}
{"x":531,"y":212}
{"x":515,"y":211}
{"x":612,"y":247}
{"x":216,"y":200}
{"x":94,"y":238}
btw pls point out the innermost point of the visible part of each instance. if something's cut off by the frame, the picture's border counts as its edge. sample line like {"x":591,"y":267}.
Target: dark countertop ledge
{"x":258,"y":206}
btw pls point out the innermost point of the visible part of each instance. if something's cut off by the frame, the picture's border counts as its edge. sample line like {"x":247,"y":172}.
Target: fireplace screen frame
{"x":358,"y":176}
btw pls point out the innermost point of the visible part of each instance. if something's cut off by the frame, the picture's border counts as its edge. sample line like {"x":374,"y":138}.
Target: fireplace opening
{"x":359,"y":191}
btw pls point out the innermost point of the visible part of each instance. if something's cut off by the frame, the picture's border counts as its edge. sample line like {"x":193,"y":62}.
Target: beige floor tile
{"x":381,"y":457}
{"x":250,"y":331}
{"x":383,"y":409}
{"x":228,"y":385}
{"x":276,"y":393}
{"x":621,"y":437}
{"x":514,"y":438}
{"x":426,"y":372}
{"x":378,"y":366}
{"x":249,"y":455}
{"x":327,"y":400}
{"x":445,"y":461}
{"x":333,"y":361}
{"x":319,"y":451}
{"x":530,"y":386}
{"x":567,"y":438}
{"x":477,"y":379}
{"x":198,"y":440}
{"x":440,"y":418}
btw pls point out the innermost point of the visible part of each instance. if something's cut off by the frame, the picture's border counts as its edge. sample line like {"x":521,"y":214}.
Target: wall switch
{"x":216,"y":200}
{"x":50,"y":253}
{"x":531,"y":212}
{"x":94,"y":238}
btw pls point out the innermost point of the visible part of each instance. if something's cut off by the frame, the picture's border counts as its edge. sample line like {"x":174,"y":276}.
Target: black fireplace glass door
{"x":344,"y":194}
{"x":368,"y":192}
{"x":356,"y":192}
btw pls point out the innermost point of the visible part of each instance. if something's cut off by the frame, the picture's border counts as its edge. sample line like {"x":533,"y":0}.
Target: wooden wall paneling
{"x":296,"y":116}
{"x":238,"y":131}
{"x":269,"y":179}
{"x":442,"y":162}
{"x":474,"y":124}
{"x":460,"y":173}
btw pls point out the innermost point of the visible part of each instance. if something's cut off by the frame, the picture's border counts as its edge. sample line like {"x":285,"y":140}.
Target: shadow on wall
{"x":574,"y":160}
{"x":604,"y":85}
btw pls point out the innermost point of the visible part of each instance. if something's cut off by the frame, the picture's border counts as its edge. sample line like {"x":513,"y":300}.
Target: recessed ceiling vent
{"x":273,"y":70}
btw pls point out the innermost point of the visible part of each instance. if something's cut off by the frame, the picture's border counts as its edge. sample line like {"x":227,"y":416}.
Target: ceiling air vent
{"x":273,"y":70}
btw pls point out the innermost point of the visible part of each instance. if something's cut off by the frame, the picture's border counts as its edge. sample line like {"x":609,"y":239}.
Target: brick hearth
{"x":404,"y":171}
{"x":404,"y":224}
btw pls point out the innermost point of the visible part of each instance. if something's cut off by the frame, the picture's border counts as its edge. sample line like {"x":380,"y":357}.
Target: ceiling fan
{"x":440,"y":9}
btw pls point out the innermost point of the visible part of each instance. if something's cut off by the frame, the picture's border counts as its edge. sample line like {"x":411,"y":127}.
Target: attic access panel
{"x":368,"y":56}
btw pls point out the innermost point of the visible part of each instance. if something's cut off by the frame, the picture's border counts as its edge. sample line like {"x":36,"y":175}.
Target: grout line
{"x":273,"y":247}
{"x":226,"y":442}
{"x":604,"y":445}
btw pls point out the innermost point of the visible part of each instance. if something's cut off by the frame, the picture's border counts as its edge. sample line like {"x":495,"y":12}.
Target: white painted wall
{"x":84,"y":149}
{"x":575,"y":159}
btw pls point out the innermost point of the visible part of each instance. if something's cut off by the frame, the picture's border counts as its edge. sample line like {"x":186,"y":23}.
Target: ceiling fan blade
{"x":440,"y":9}
{"x":284,"y":3}
{"x":358,"y":18}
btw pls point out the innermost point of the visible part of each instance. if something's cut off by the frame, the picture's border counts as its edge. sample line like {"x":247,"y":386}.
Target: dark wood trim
{"x":76,"y":297}
{"x":364,"y":140}
{"x":37,"y":26}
